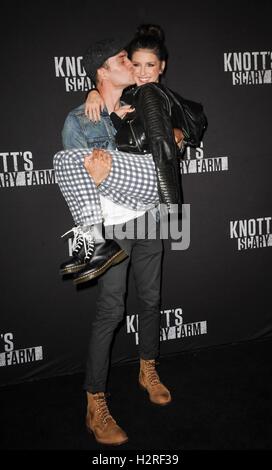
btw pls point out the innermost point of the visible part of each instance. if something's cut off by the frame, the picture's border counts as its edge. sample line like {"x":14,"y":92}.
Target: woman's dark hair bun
{"x":150,"y":30}
{"x":149,"y":36}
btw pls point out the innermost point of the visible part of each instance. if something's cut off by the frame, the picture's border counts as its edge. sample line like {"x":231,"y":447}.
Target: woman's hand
{"x":121,"y":111}
{"x":94,"y":105}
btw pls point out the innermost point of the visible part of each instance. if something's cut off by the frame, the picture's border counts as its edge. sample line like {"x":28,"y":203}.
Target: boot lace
{"x":88,"y":242}
{"x":102,"y":408}
{"x":82,"y":239}
{"x":151,"y":373}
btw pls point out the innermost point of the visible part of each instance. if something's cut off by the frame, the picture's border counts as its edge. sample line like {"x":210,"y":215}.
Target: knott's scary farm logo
{"x":71,"y":70}
{"x":17,"y":169}
{"x":12,"y":356}
{"x":251,"y":233}
{"x":249,"y":68}
{"x":195,"y":161}
{"x":172,"y":325}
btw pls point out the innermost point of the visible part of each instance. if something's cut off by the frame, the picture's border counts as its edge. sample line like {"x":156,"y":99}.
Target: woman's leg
{"x":80,"y":193}
{"x":77,"y":187}
{"x":132,"y":181}
{"x":90,"y":251}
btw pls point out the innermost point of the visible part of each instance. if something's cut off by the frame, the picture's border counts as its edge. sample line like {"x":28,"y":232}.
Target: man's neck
{"x":111,"y":96}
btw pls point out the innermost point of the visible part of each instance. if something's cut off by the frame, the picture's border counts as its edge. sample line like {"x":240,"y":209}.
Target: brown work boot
{"x":150,"y":381}
{"x":100,"y":422}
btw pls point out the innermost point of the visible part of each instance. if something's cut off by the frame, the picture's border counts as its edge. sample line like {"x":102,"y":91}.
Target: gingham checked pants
{"x":132,"y":183}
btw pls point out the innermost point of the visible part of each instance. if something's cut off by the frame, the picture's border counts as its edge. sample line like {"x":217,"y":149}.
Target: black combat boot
{"x":82,"y":250}
{"x":106,"y":254}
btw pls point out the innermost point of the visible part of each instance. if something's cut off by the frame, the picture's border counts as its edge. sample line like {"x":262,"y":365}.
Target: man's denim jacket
{"x":79,"y":132}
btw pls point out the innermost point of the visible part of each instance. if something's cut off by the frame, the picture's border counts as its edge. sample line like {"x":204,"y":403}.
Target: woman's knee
{"x":66,"y":158}
{"x":58,"y":158}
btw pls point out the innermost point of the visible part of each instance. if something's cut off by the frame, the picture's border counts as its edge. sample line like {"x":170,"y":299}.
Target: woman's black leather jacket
{"x":150,"y":129}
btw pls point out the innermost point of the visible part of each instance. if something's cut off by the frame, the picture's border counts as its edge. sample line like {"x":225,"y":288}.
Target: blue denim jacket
{"x":79,"y":132}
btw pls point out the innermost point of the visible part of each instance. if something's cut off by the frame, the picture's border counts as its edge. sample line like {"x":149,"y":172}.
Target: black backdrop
{"x":215,"y":292}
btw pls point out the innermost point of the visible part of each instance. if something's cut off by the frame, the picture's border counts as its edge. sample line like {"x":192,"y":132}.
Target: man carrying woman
{"x":132,"y":181}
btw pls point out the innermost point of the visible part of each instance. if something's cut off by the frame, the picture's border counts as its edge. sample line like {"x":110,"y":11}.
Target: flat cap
{"x":98,"y":52}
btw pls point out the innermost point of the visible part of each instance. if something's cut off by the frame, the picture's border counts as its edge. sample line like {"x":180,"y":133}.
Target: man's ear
{"x":101,"y":73}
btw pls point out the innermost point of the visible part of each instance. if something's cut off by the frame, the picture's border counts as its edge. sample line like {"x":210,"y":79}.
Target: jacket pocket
{"x":98,"y":142}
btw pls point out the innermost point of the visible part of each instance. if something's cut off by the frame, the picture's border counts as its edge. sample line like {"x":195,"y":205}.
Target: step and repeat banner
{"x":218,"y":290}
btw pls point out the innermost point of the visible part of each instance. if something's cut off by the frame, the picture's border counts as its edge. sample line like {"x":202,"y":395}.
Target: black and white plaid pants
{"x":132,"y":183}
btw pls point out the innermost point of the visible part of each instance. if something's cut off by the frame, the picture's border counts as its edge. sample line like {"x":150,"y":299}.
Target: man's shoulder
{"x":76,"y":117}
{"x":80,"y":132}
{"x":77,"y":112}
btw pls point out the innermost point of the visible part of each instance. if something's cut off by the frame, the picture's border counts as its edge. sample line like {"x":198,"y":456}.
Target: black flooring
{"x":221,"y":401}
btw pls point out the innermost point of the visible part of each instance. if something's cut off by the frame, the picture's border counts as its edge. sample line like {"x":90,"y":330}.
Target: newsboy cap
{"x":98,"y":52}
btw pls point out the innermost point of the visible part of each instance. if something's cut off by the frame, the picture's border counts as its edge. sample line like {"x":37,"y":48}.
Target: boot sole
{"x":71,"y":270}
{"x":153,"y":402}
{"x":117,"y":258}
{"x":105,"y":443}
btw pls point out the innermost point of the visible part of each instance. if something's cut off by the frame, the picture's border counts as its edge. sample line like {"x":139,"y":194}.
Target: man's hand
{"x":178,"y":137}
{"x":98,"y":165}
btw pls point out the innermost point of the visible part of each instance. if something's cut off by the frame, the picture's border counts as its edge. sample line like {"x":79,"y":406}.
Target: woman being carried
{"x":145,"y":169}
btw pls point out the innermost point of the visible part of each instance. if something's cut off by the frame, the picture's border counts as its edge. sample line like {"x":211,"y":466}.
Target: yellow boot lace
{"x":151,"y":373}
{"x":102,"y":408}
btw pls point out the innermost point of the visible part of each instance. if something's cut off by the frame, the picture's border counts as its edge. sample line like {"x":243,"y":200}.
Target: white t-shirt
{"x":114,"y":214}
